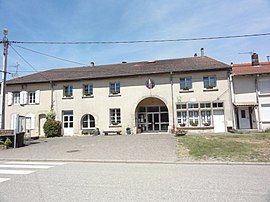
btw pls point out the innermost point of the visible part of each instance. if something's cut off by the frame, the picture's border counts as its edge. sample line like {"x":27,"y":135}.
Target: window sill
{"x":114,"y":95}
{"x":115,"y":126}
{"x":186,"y":91}
{"x":264,"y":94}
{"x":88,"y":96}
{"x":211,"y":89}
{"x":196,"y":127}
{"x":67,"y":98}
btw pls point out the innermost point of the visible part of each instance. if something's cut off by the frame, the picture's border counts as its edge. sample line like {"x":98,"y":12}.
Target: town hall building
{"x":148,"y":97}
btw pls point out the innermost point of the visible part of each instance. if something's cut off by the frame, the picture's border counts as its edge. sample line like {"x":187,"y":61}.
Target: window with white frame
{"x":206,"y":112}
{"x":209,"y":82}
{"x":193,"y":117}
{"x":186,"y":83}
{"x":182,"y":118}
{"x":68,"y":91}
{"x":196,"y":114}
{"x":87,"y":90}
{"x":115,"y":116}
{"x":32,"y":97}
{"x":16,"y":98}
{"x":88,"y":121}
{"x":115,"y":88}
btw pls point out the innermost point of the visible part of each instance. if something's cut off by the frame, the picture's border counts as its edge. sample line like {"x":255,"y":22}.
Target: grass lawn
{"x":252,"y":147}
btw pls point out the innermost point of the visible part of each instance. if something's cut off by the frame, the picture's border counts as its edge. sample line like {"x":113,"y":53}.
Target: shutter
{"x":25,"y":99}
{"x":21,"y":98}
{"x":10,"y":98}
{"x":37,"y":94}
{"x":13,"y":121}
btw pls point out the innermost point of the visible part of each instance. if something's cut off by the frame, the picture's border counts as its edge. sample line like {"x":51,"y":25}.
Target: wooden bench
{"x":113,"y":132}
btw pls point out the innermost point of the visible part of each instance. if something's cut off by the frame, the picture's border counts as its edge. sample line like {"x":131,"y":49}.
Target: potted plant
{"x":193,"y":123}
{"x":128,"y":131}
{"x":182,"y":124}
{"x":180,"y":132}
{"x":96,"y":131}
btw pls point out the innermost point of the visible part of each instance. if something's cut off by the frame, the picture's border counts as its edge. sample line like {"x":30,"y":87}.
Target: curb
{"x":139,"y":162}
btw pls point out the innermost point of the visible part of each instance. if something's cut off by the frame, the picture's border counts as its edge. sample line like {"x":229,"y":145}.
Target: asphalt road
{"x":24,"y":181}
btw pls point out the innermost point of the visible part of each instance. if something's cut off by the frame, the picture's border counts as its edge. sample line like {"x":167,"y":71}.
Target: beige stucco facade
{"x":252,"y":93}
{"x":133,"y":93}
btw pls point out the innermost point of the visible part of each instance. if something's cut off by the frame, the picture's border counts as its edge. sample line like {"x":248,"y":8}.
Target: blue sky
{"x":97,"y":20}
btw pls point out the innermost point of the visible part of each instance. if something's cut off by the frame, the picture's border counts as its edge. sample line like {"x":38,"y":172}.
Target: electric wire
{"x":142,"y":41}
{"x":45,"y":54}
{"x":41,"y":73}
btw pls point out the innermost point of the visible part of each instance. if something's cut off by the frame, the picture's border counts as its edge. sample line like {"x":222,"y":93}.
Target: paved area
{"x":136,"y":182}
{"x":143,"y":147}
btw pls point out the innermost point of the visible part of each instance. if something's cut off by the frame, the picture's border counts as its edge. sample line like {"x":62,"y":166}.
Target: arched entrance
{"x":152,"y":116}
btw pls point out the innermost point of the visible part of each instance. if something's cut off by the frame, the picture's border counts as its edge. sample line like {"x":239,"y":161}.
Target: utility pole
{"x":4,"y":76}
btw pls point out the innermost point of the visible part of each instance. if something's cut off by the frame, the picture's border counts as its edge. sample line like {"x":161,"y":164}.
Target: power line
{"x":141,"y":41}
{"x":45,"y":54}
{"x":28,"y":62}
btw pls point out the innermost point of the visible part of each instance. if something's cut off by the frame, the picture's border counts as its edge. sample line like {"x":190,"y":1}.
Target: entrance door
{"x":218,"y":118}
{"x":153,"y":118}
{"x":68,"y":123}
{"x":42,"y":120}
{"x":244,"y":118}
{"x":153,"y":122}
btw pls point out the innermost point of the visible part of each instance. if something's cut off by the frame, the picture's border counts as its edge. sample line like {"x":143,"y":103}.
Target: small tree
{"x":51,"y":127}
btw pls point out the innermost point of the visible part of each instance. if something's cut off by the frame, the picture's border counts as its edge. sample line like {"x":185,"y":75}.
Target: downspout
{"x":51,"y":83}
{"x":171,"y":79}
{"x":257,"y":100}
{"x":232,"y":98}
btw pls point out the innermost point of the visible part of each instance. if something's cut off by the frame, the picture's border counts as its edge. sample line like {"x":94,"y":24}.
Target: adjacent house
{"x":149,"y":96}
{"x":251,"y":94}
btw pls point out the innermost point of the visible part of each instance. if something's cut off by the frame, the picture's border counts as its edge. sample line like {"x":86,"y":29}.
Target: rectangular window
{"x":115,"y":116}
{"x":16,"y":98}
{"x":209,"y":82}
{"x":115,"y":88}
{"x":68,"y":91}
{"x":87,"y":90}
{"x":217,"y":104}
{"x":182,"y":118}
{"x":193,"y":105}
{"x":186,"y":83}
{"x":243,"y":114}
{"x":32,"y":97}
{"x":68,"y":119}
{"x":181,"y":106}
{"x":206,"y":117}
{"x":196,"y":114}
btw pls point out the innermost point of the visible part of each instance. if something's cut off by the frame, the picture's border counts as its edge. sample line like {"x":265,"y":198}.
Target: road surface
{"x":58,"y":181}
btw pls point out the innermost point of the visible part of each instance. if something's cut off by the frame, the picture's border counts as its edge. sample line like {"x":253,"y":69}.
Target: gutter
{"x":172,"y":97}
{"x":232,"y":98}
{"x":257,"y":100}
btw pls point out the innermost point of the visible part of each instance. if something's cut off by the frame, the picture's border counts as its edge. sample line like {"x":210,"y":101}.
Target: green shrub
{"x":267,"y":130}
{"x":8,"y":142}
{"x":52,"y":128}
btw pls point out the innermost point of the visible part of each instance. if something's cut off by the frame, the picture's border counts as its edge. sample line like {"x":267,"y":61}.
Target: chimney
{"x":202,"y":52}
{"x":92,"y":64}
{"x":255,"y":59}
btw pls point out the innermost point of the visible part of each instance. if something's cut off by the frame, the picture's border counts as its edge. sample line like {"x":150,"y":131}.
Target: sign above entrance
{"x":150,"y":84}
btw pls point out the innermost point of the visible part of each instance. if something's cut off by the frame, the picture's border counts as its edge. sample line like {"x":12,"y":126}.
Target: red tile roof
{"x":247,"y":68}
{"x":122,"y":70}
